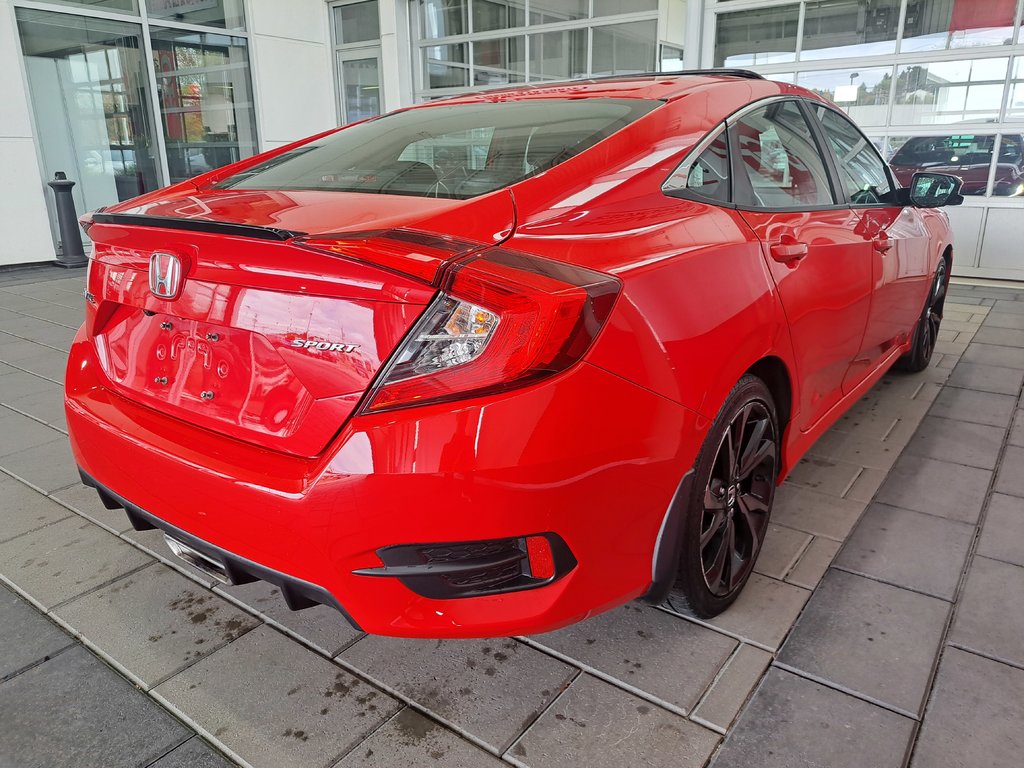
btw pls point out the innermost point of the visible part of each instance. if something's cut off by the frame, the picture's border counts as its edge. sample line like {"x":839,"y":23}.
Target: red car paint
{"x":282,"y":466}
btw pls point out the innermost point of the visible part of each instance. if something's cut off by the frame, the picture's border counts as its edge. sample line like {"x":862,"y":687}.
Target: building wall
{"x":289,"y":39}
{"x":23,"y":216}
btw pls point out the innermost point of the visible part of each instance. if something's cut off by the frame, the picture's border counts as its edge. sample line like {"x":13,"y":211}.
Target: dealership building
{"x":125,"y":96}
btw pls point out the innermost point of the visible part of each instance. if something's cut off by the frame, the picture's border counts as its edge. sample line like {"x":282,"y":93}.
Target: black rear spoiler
{"x":196,"y":225}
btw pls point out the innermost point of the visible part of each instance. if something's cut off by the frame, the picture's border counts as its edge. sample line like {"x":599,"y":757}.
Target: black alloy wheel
{"x":730,"y":502}
{"x":737,"y":500}
{"x":926,"y":334}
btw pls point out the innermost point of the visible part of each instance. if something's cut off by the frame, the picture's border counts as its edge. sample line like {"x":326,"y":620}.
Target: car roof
{"x":663,"y":86}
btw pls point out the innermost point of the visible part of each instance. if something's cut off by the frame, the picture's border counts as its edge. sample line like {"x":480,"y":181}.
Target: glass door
{"x":91,"y":100}
{"x":356,"y":31}
{"x":359,"y":86}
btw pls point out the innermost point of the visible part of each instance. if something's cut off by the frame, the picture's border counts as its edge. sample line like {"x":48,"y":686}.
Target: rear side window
{"x":705,"y":176}
{"x":780,"y":158}
{"x":861,"y":170}
{"x":453,"y":151}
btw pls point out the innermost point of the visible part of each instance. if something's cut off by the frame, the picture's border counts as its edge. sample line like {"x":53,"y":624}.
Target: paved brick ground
{"x":882,"y":628}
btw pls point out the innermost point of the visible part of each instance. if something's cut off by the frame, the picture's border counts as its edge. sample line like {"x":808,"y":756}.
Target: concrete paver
{"x":764,"y":612}
{"x":792,"y":722}
{"x":1010,"y":477}
{"x":274,"y":703}
{"x":645,"y":648}
{"x":25,"y":509}
{"x":26,"y":637}
{"x":909,"y":549}
{"x":411,"y":739}
{"x":733,"y":686}
{"x":990,"y":617}
{"x":987,"y":378}
{"x":1002,"y":536}
{"x":937,"y":487}
{"x":66,"y":559}
{"x":868,"y":637}
{"x":194,"y":753}
{"x":155,"y":622}
{"x":75,"y":711}
{"x":493,"y":689}
{"x":975,"y":715}
{"x":958,"y":442}
{"x":597,"y":725}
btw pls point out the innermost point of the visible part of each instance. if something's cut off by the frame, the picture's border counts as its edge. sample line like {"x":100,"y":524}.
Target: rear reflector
{"x":542,"y":561}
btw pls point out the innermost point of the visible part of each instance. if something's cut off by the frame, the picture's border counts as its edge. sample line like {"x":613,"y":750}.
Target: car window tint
{"x":707,"y":175}
{"x":781,"y":159}
{"x":861,"y":170}
{"x":447,"y":150}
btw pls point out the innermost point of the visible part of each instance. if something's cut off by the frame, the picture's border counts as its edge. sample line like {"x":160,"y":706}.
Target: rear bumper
{"x":587,"y":456}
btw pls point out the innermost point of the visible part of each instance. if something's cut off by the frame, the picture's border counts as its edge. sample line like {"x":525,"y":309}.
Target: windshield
{"x":453,"y":151}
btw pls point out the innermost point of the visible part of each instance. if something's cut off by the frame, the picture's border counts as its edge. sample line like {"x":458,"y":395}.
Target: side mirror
{"x":934,"y":190}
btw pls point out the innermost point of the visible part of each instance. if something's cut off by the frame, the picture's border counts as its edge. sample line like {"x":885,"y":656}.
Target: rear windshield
{"x":453,"y":151}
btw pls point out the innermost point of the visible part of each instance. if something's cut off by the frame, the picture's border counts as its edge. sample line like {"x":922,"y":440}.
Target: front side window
{"x":453,"y":151}
{"x":780,"y":158}
{"x":861,"y":170}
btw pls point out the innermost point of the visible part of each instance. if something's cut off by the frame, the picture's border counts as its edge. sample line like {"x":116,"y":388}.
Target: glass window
{"x":90,"y":94}
{"x":671,"y":59}
{"x":204,"y":86}
{"x":966,"y":155}
{"x":613,"y":7}
{"x":553,"y":11}
{"x":226,"y":14}
{"x":357,"y":22}
{"x":128,"y":6}
{"x":443,"y":18}
{"x":939,"y":24}
{"x":445,"y":66}
{"x":949,"y":92}
{"x":624,"y":48}
{"x":360,"y":87}
{"x":761,"y":36}
{"x":1015,"y":102}
{"x":862,"y":93}
{"x":498,"y":14}
{"x":708,"y":175}
{"x":558,"y":55}
{"x":494,"y":145}
{"x":499,"y":61}
{"x":781,"y":159}
{"x":1009,"y":177}
{"x":840,"y":28}
{"x":861,"y":170}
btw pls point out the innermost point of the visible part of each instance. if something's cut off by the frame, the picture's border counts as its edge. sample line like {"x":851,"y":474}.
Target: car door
{"x":896,"y":234}
{"x":821,"y":265}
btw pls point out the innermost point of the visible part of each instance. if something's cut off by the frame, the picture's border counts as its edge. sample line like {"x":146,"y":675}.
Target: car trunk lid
{"x":268,"y":340}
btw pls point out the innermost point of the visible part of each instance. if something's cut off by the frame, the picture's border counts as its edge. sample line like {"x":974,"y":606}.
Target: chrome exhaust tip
{"x":197,"y":559}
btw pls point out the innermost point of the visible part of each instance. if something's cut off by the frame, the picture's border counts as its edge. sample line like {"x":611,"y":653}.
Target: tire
{"x":730,"y":502}
{"x":926,"y":331}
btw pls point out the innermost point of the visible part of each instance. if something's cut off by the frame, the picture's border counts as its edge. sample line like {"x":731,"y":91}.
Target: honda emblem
{"x":164,"y":275}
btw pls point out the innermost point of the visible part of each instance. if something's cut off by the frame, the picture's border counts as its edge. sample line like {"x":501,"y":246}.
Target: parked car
{"x":563,"y":380}
{"x":968,"y":157}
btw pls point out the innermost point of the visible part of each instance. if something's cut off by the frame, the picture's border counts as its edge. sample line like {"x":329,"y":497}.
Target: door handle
{"x":882,"y":244}
{"x":788,"y":251}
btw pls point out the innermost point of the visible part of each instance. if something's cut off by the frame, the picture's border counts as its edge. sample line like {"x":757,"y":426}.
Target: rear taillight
{"x":502,"y":319}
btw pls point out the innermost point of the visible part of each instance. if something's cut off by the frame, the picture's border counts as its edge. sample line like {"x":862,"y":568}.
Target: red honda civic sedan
{"x":497,"y":363}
